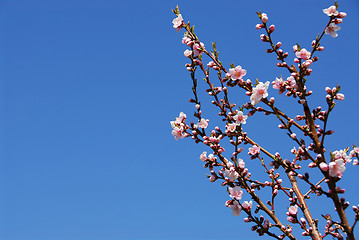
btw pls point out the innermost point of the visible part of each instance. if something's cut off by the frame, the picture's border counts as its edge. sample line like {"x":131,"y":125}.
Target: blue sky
{"x":87,"y":92}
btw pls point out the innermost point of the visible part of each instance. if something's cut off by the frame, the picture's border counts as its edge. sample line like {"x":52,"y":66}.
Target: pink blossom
{"x":203,"y":123}
{"x":237,"y":72}
{"x":278,"y":83}
{"x":187,"y":53}
{"x":303,"y":54}
{"x":254,"y":150}
{"x":177,"y":22}
{"x":236,"y":208}
{"x":230,"y":165}
{"x":203,"y":156}
{"x":332,"y":29}
{"x":247,"y":205}
{"x":291,"y":82}
{"x":235,"y":192}
{"x":178,"y":126}
{"x":212,"y":158}
{"x":355,"y":162}
{"x":231,"y":173}
{"x":354,"y":152}
{"x":259,"y":92}
{"x":182,"y":116}
{"x":336,"y":168}
{"x":341,"y":154}
{"x":231,"y":127}
{"x":198,"y":49}
{"x":240,"y":118}
{"x":241,"y":164}
{"x":178,"y":133}
{"x":293,"y":210}
{"x":186,"y":40}
{"x":331,"y":11}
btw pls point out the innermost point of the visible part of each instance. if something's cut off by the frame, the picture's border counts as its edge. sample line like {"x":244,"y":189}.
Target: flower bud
{"x":312,"y":165}
{"x":264,"y":38}
{"x":259,"y":26}
{"x":271,"y":28}
{"x":341,"y":15}
{"x":328,"y":90}
{"x":264,"y":18}
{"x":324,"y":166}
{"x":338,"y":21}
{"x":339,"y":96}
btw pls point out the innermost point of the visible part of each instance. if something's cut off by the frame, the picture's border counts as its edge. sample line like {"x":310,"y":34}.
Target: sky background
{"x":88,"y":89}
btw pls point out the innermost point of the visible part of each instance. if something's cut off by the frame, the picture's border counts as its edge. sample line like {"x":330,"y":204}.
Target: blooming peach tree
{"x":229,"y":166}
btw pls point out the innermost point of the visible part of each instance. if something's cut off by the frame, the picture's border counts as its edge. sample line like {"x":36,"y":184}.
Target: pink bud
{"x":187,"y":53}
{"x":264,"y":38}
{"x":342,"y":15}
{"x":298,"y":117}
{"x":328,"y":90}
{"x":212,"y":178}
{"x":312,"y":165}
{"x":246,"y":220}
{"x":295,"y":48}
{"x":307,"y":63}
{"x":338,"y":21}
{"x":259,"y":26}
{"x":321,"y":48}
{"x":293,"y":136}
{"x":339,"y":96}
{"x":271,"y":28}
{"x":291,"y":219}
{"x":296,"y":60}
{"x":264,"y":18}
{"x":324,"y":166}
{"x":210,"y":64}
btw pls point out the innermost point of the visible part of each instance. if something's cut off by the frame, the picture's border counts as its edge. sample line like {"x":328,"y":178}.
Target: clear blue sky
{"x":87,"y":92}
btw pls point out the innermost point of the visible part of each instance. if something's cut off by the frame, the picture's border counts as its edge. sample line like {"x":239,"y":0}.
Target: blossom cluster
{"x":230,"y":168}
